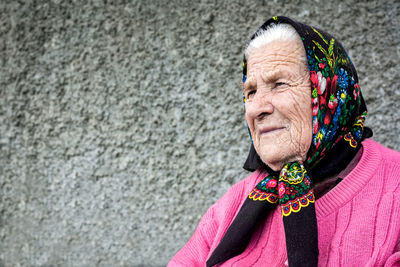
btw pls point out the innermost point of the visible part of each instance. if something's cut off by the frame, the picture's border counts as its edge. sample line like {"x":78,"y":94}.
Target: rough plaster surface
{"x":121,"y":121}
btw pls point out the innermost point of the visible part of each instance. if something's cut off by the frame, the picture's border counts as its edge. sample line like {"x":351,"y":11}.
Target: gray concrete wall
{"x":122,"y":122}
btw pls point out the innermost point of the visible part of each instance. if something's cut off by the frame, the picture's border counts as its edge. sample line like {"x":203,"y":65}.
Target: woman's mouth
{"x":270,"y":130}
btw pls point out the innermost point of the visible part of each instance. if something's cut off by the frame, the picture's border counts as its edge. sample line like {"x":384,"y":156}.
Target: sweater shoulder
{"x":388,"y":154}
{"x":213,"y":224}
{"x":389,"y":166}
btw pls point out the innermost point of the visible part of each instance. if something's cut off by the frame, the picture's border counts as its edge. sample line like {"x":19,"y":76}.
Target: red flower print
{"x":321,"y":65}
{"x":333,"y":102}
{"x":271,"y":183}
{"x":314,"y":79}
{"x":327,"y":119}
{"x":333,"y":84}
{"x":315,"y":111}
{"x":291,"y":191}
{"x":281,"y":189}
{"x":356,"y":91}
{"x":318,"y":143}
{"x":322,"y":101}
{"x":306,"y":181}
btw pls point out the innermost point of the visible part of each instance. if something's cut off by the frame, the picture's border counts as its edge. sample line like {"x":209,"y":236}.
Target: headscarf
{"x":338,"y":113}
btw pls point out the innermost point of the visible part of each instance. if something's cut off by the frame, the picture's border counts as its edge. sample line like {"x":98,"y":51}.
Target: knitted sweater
{"x":358,"y":220}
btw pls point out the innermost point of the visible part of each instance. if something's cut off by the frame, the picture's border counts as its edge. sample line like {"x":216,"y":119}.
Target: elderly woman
{"x":321,"y":193}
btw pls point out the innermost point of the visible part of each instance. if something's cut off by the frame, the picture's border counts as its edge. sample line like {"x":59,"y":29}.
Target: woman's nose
{"x":260,"y":105}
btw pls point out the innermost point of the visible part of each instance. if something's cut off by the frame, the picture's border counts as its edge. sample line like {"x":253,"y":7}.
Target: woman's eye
{"x":250,"y":94}
{"x":281,"y":84}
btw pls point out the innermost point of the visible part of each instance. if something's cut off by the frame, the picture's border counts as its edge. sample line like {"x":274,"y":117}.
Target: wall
{"x":122,"y":122}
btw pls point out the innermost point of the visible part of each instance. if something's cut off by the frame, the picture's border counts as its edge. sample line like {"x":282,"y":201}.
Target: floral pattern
{"x":335,"y":97}
{"x":293,"y":189}
{"x":266,"y":190}
{"x":298,"y":203}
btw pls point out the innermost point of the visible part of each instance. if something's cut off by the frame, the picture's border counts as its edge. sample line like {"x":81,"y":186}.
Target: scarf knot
{"x":292,"y":190}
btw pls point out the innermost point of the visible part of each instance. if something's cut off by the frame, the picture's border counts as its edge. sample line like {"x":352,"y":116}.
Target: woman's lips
{"x":268,"y":130}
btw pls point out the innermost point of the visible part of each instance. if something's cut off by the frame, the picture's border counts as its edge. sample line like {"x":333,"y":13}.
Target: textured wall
{"x":122,"y":123}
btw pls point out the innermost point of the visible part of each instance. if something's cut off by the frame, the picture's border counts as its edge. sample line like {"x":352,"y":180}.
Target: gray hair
{"x":274,"y":32}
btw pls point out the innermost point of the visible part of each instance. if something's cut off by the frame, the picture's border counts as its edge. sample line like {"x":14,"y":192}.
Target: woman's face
{"x":278,"y":102}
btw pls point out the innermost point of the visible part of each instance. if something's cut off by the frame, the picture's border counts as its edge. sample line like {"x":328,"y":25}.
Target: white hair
{"x":274,"y":32}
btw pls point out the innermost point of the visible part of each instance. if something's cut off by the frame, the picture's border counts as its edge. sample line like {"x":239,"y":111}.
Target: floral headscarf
{"x":338,"y":112}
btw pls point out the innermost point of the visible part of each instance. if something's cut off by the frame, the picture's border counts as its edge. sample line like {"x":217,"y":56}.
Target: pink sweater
{"x":358,"y":220}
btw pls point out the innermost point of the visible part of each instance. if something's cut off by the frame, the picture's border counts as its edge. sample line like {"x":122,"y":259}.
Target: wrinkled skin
{"x":278,"y":102}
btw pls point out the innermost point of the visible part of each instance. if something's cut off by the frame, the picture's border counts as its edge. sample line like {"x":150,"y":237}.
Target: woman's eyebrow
{"x":249,"y":83}
{"x":271,"y":75}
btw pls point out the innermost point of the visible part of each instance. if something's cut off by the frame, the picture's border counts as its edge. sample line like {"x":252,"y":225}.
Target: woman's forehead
{"x":276,"y":57}
{"x":284,"y":52}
